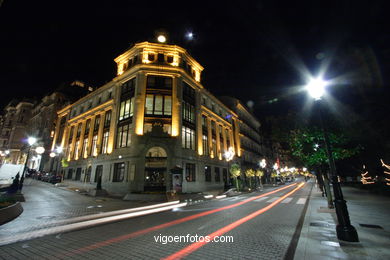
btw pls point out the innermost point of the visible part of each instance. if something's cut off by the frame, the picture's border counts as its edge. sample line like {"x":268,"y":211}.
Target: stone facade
{"x":13,"y":131}
{"x":154,"y":127}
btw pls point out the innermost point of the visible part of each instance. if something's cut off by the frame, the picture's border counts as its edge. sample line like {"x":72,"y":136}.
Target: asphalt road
{"x":259,"y":225}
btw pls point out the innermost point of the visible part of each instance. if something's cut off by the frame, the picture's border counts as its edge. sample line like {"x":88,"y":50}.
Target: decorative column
{"x":100,"y":133}
{"x":237,"y":137}
{"x":53,"y":146}
{"x":199,"y":133}
{"x":90,"y":135}
{"x":219,"y":153}
{"x":175,"y":108}
{"x":139,"y":106}
{"x":210,"y":138}
{"x":225,"y":148}
{"x":71,"y":153}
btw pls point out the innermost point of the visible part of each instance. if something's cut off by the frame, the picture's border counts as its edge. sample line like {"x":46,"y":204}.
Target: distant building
{"x":249,"y":128}
{"x":36,"y":119}
{"x":153,"y":127}
{"x":43,"y":118}
{"x":13,"y":131}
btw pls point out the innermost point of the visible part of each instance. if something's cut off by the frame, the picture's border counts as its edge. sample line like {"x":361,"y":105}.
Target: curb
{"x":10,"y":213}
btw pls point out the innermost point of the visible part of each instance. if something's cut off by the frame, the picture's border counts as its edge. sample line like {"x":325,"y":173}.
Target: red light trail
{"x":168,"y":224}
{"x":195,"y":246}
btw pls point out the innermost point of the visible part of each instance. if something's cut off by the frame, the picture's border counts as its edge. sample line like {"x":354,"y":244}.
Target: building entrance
{"x":155,"y":169}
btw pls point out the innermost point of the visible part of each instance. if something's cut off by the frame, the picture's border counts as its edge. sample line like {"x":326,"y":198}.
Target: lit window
{"x":105,"y":142}
{"x":188,"y":112}
{"x":205,"y":143}
{"x":76,"y":152}
{"x":188,"y":138}
{"x":158,"y":105}
{"x":85,"y":148}
{"x":126,"y":109}
{"x":123,"y":136}
{"x":94,"y":145}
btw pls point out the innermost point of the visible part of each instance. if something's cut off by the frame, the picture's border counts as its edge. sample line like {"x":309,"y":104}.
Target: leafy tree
{"x":259,"y":173}
{"x":250,"y":173}
{"x":307,"y":144}
{"x":235,"y":172}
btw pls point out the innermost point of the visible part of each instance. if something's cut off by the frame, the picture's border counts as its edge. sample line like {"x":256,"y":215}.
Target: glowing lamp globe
{"x":40,"y":150}
{"x":161,"y":38}
{"x":316,"y":88}
{"x":31,"y":140}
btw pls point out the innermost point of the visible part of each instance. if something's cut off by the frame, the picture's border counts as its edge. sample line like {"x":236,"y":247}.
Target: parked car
{"x":55,"y":179}
{"x":46,"y":177}
{"x":36,"y":175}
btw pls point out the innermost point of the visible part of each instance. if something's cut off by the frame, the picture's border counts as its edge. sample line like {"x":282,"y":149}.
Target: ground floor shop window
{"x":119,"y":172}
{"x":190,"y":172}
{"x":207,"y":172}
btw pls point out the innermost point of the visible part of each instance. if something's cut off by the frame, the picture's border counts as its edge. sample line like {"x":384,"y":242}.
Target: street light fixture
{"x":229,"y":155}
{"x":31,"y":141}
{"x":345,"y":231}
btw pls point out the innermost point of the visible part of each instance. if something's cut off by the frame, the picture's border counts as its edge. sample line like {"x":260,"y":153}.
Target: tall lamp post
{"x":263,"y":164}
{"x":229,"y":155}
{"x":345,"y":231}
{"x":31,"y":141}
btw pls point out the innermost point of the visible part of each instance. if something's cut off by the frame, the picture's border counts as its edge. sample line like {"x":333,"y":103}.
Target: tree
{"x":259,"y":173}
{"x":307,"y":144}
{"x":274,"y":174}
{"x":250,"y":173}
{"x":235,"y":172}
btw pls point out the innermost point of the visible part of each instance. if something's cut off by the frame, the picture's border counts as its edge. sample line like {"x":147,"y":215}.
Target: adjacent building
{"x":154,"y":127}
{"x":23,"y":119}
{"x":13,"y":131}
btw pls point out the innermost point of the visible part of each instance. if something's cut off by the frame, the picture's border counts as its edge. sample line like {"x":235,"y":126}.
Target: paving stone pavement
{"x":318,"y":238}
{"x":46,"y":203}
{"x":264,"y":237}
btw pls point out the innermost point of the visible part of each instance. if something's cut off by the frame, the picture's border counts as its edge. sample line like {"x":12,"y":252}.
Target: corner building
{"x":154,"y":127}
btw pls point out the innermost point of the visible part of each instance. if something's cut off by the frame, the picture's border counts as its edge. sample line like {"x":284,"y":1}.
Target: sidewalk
{"x":318,"y":239}
{"x":46,"y":203}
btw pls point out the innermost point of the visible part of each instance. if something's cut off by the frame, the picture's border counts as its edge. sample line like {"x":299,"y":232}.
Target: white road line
{"x":273,"y":199}
{"x":224,"y":199}
{"x":263,"y":198}
{"x":84,"y":224}
{"x":301,"y":201}
{"x":287,"y":200}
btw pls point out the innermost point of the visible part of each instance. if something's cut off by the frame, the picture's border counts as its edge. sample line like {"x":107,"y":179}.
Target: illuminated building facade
{"x":153,"y":127}
{"x":13,"y":131}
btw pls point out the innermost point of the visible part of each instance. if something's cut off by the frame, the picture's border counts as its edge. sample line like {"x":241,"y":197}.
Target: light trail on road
{"x":195,"y":246}
{"x":165,"y":225}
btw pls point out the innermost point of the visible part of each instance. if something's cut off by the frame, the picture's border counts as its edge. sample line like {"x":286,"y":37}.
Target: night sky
{"x":250,"y":49}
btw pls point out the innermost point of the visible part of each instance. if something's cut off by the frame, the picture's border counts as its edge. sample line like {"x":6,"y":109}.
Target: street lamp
{"x":345,"y":231}
{"x":229,"y":155}
{"x":31,"y":141}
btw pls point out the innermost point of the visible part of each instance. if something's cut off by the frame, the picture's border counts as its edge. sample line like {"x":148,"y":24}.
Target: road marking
{"x":195,"y":246}
{"x":273,"y":199}
{"x":288,"y":200}
{"x":168,"y":224}
{"x":263,"y":198}
{"x":301,"y":201}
